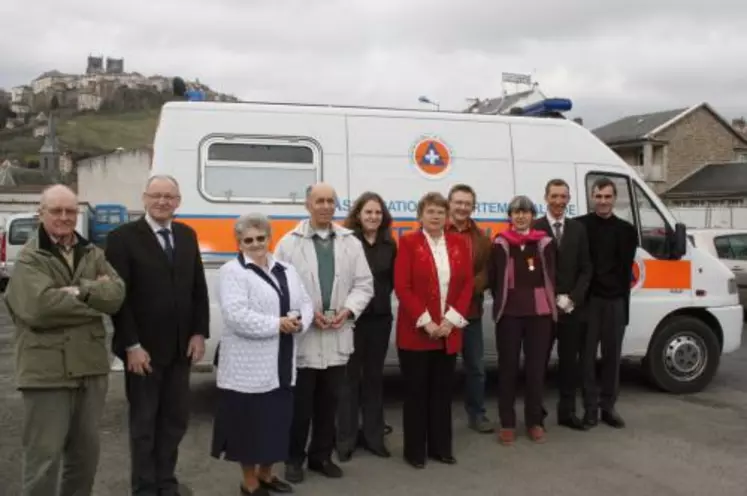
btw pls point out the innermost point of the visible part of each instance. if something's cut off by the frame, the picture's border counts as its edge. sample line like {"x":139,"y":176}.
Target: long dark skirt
{"x":253,"y":429}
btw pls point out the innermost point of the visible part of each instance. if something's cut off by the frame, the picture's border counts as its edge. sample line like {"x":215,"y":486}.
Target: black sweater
{"x":380,"y":257}
{"x":612,"y":245}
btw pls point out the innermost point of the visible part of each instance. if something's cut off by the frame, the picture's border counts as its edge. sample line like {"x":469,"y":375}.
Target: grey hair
{"x":165,"y":177}
{"x":522,"y":203}
{"x":249,"y":221}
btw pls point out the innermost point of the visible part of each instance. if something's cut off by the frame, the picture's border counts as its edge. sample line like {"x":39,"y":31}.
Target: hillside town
{"x":89,"y":91}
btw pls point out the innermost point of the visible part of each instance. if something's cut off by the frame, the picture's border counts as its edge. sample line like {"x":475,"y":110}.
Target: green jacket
{"x":60,"y":338}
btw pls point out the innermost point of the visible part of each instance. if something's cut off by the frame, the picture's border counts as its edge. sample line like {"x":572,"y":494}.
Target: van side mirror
{"x":679,"y":241}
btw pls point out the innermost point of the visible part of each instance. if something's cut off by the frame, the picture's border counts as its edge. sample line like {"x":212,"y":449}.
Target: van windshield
{"x":21,"y":229}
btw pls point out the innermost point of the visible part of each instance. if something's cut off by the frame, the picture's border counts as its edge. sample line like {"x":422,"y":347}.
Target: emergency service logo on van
{"x":432,"y":157}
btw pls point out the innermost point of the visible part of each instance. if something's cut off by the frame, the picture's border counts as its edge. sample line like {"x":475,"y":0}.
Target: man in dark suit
{"x":159,"y":331}
{"x":573,"y":273}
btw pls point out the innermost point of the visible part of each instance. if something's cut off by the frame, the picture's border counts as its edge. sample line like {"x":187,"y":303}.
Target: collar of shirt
{"x":155,"y":226}
{"x":271,"y":262}
{"x":434,"y":242}
{"x":552,"y":220}
{"x":67,"y":247}
{"x":468,"y":228}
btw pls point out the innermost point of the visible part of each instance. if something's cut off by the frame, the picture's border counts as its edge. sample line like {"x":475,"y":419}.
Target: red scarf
{"x":518,"y":239}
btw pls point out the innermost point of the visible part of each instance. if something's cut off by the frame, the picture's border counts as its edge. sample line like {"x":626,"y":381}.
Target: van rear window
{"x":20,"y":230}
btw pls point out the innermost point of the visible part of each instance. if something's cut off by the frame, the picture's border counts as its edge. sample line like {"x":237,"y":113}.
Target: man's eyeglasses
{"x":258,"y":239}
{"x":168,"y":198}
{"x":58,"y":211}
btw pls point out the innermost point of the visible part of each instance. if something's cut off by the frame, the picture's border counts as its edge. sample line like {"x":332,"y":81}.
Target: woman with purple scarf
{"x":522,"y":275}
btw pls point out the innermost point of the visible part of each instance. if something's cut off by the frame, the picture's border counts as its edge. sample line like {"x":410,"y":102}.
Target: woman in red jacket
{"x":433,"y":281}
{"x":522,"y":275}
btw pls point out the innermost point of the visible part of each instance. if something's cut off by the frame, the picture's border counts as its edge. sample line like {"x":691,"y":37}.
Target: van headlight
{"x":732,"y":285}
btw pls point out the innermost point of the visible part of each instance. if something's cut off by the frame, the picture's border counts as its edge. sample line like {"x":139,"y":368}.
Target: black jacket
{"x":165,"y":304}
{"x":573,"y":266}
{"x":380,"y":257}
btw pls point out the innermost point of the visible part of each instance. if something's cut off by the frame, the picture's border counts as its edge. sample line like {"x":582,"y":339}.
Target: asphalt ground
{"x":673,"y":445}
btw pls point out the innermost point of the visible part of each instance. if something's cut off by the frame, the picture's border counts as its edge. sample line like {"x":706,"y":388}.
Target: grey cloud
{"x":610,"y":57}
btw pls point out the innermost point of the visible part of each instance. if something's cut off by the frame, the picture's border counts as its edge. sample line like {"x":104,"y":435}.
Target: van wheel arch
{"x":685,"y":352}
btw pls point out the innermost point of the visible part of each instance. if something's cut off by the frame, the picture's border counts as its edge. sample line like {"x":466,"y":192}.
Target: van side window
{"x":731,"y":247}
{"x":654,"y":227}
{"x":623,"y":204}
{"x":258,"y":170}
{"x":21,"y":230}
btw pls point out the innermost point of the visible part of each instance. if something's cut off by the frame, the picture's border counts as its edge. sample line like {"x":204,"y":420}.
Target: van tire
{"x":683,"y":356}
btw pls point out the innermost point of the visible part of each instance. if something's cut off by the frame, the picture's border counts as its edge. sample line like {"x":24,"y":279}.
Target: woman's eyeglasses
{"x":258,"y":239}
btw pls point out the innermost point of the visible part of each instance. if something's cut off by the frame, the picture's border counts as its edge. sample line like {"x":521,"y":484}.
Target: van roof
{"x":282,"y":107}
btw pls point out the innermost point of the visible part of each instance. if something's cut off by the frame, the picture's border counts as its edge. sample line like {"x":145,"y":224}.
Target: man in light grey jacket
{"x":334,"y":270}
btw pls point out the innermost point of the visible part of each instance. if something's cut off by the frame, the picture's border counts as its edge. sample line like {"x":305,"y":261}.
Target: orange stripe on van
{"x":667,"y":274}
{"x":215,"y":235}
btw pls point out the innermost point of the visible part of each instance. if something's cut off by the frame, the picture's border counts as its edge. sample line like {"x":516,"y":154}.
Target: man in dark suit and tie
{"x":159,"y":331}
{"x":573,"y":274}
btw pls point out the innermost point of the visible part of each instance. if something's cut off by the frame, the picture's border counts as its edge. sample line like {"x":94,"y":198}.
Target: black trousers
{"x":605,"y":328}
{"x":534,"y":335}
{"x":362,"y":390}
{"x":159,"y":412}
{"x":570,"y":335}
{"x":315,"y":403}
{"x":426,"y":413}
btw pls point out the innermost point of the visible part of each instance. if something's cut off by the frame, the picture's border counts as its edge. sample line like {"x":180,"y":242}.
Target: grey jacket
{"x":352,"y":289}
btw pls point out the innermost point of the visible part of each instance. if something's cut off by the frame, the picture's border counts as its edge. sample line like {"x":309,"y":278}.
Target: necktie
{"x":169,"y":249}
{"x":558,"y":231}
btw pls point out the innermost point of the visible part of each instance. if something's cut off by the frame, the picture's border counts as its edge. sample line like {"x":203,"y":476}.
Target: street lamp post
{"x":425,"y":99}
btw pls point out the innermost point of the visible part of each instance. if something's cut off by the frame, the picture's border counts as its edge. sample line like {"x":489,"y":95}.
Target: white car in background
{"x":730,"y":247}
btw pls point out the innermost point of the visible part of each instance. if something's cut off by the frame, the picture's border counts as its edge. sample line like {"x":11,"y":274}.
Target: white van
{"x":235,"y":158}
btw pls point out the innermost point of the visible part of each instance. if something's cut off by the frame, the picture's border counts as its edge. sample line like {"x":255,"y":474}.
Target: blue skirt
{"x":253,"y":429}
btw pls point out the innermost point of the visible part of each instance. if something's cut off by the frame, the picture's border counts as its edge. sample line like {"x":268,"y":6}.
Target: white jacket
{"x":352,"y":289}
{"x":250,"y":341}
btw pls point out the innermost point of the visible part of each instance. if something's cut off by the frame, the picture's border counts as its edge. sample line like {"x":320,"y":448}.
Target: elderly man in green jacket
{"x":61,"y":288}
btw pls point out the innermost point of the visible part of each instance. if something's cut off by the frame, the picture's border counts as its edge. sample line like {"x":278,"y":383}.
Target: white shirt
{"x":552,"y":220}
{"x":157,"y":227}
{"x":443,"y":270}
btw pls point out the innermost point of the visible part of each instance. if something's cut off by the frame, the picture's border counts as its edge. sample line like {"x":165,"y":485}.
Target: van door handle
{"x":737,"y":269}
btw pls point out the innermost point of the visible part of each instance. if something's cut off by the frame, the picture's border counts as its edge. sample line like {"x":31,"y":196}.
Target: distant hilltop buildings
{"x":104,"y":81}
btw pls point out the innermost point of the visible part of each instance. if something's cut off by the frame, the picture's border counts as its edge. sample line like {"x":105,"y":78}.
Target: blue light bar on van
{"x":548,"y":105}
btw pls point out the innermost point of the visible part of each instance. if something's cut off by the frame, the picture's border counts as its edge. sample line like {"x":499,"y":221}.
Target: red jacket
{"x":417,"y":289}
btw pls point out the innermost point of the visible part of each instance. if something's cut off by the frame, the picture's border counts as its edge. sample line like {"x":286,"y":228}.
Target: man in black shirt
{"x":612,"y":245}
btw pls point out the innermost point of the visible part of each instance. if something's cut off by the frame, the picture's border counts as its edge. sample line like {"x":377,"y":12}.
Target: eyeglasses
{"x":58,"y":211}
{"x":168,"y":198}
{"x":258,"y":239}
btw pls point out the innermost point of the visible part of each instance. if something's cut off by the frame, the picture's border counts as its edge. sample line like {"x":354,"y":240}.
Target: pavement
{"x":673,"y":445}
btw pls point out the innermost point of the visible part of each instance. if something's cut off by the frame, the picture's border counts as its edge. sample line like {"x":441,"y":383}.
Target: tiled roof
{"x":635,"y":127}
{"x":718,"y":179}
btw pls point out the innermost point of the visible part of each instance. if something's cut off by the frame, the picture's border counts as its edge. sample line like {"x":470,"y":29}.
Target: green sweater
{"x":325,"y":257}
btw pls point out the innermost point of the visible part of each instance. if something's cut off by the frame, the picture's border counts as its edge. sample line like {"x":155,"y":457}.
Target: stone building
{"x":666,"y":146}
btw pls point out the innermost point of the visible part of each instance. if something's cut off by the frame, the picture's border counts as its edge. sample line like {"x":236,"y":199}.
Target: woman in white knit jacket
{"x":264,"y":307}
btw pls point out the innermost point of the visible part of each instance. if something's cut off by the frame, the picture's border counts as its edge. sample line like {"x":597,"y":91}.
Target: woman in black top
{"x":362,"y":389}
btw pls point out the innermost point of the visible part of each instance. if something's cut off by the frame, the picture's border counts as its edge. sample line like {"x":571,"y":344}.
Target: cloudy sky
{"x":611,"y":57}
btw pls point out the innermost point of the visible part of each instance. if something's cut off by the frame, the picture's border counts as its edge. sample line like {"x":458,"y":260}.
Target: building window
{"x":741,"y":156}
{"x":264,"y":170}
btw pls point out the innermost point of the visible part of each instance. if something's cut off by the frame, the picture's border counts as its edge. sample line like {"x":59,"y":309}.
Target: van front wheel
{"x":683,"y":355}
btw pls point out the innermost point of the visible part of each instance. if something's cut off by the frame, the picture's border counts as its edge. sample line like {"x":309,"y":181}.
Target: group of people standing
{"x":306,"y":330}
{"x":550,"y":277}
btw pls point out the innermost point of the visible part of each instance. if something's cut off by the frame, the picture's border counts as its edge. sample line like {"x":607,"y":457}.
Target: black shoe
{"x":447,"y":460}
{"x":294,"y":473}
{"x":572,"y":422}
{"x":380,"y":451}
{"x":345,"y":455}
{"x":591,"y":419}
{"x":276,"y":485}
{"x":326,"y":468}
{"x":415,"y":464}
{"x":613,"y":419}
{"x":260,"y":491}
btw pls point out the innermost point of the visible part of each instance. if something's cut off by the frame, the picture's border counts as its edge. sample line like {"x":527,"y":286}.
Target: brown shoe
{"x":507,"y":437}
{"x":537,"y":434}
